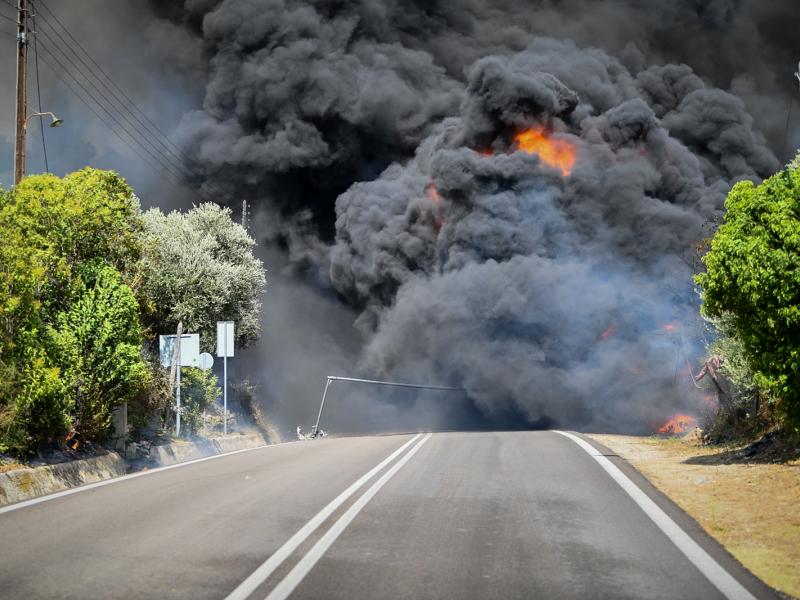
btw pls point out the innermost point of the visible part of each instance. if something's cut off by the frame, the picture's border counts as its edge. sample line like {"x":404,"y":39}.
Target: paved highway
{"x":448,"y":515}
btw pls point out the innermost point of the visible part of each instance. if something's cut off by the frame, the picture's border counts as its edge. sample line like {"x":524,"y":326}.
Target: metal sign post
{"x":225,"y":349}
{"x":178,"y":400}
{"x":225,"y":387}
{"x":186,"y":351}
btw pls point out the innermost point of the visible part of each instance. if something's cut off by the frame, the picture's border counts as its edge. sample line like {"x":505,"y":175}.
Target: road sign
{"x":206,"y":361}
{"x":224,"y":338}
{"x":190,"y":349}
{"x":225,"y":349}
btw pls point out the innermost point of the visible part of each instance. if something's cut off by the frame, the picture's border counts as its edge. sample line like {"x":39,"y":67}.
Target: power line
{"x":151,"y":131}
{"x":133,"y":149}
{"x":39,"y":90}
{"x":133,"y":137}
{"x":14,"y":21}
{"x":113,"y":83}
{"x":128,"y":126}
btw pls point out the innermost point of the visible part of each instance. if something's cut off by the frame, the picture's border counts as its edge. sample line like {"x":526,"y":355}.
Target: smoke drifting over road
{"x":379,"y":144}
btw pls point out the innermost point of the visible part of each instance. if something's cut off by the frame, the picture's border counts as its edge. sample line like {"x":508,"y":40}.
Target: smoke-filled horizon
{"x":378,"y":144}
{"x":380,"y":141}
{"x":417,"y":240}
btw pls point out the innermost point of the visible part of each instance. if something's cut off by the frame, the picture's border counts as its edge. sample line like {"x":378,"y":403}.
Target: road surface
{"x":449,"y":515}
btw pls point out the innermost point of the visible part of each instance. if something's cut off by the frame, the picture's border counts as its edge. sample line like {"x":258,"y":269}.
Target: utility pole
{"x":22,"y":90}
{"x":244,"y":214}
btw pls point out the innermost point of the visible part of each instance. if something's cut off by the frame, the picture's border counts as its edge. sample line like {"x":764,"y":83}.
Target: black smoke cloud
{"x":304,"y":98}
{"x":507,"y":282}
{"x":540,"y":293}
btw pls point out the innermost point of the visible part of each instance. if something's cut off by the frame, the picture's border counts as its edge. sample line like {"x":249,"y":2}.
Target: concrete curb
{"x":23,"y":484}
{"x":178,"y":452}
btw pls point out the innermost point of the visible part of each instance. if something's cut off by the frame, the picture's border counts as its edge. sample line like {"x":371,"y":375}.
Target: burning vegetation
{"x":678,"y":424}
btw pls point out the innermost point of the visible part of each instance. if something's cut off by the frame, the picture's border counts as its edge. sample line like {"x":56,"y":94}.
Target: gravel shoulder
{"x":752,"y":509}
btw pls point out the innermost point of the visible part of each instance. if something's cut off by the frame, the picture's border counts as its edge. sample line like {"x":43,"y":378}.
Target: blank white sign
{"x":224,"y":338}
{"x":190,"y":349}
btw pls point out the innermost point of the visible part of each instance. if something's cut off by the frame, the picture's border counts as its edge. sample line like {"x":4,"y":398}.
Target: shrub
{"x":752,"y":281}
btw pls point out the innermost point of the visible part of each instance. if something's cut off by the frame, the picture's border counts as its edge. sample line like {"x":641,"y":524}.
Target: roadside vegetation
{"x":751,"y":297}
{"x":87,"y":282}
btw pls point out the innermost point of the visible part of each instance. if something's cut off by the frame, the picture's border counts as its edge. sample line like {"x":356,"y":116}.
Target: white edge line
{"x":97,"y":484}
{"x":301,"y":569}
{"x":260,"y":575}
{"x":713,"y":571}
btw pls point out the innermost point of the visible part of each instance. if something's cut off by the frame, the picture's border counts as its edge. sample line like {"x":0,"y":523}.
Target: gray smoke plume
{"x":547,"y":295}
{"x":552,"y":298}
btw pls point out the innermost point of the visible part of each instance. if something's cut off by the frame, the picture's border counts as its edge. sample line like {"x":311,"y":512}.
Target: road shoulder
{"x":749,"y":509}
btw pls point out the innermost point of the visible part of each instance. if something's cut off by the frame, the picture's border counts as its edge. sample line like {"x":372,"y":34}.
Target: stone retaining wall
{"x":23,"y":484}
{"x":178,"y":452}
{"x":26,"y":483}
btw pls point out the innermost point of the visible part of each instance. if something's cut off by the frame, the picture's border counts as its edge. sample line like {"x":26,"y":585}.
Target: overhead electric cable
{"x":167,"y":167}
{"x":113,"y":83}
{"x":128,"y":126}
{"x":163,"y":173}
{"x":39,"y":89}
{"x":123,"y":100}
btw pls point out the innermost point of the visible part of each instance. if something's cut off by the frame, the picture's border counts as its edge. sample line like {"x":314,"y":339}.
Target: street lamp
{"x":19,"y":147}
{"x":55,"y":121}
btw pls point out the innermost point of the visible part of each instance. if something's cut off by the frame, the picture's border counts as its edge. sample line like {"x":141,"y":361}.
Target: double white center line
{"x":296,"y":575}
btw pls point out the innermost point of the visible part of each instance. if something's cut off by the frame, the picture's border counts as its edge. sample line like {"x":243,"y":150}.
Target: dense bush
{"x":199,"y":390}
{"x":752,"y":282}
{"x":54,"y":233}
{"x":85,"y":281}
{"x":98,"y":345}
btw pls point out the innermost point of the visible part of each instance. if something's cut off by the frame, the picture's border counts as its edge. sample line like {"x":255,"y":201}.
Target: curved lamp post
{"x":54,"y":122}
{"x":19,"y":152}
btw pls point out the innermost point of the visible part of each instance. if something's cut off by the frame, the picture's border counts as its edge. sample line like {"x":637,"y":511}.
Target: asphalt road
{"x":448,"y":515}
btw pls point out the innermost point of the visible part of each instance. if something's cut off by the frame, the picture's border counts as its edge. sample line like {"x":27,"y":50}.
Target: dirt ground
{"x":753,"y":509}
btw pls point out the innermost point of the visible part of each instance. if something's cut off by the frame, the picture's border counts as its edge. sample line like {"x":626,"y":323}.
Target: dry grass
{"x":751,"y":509}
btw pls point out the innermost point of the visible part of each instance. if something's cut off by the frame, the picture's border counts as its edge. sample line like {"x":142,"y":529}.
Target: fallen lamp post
{"x":331,"y":378}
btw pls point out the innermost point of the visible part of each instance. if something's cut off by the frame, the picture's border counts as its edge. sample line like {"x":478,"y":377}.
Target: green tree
{"x":52,"y":229}
{"x":199,"y":269}
{"x":752,"y":280}
{"x":98,"y":348}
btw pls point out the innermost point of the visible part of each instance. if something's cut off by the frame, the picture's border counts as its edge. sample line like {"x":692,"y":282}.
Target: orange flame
{"x":609,"y":331}
{"x":554,"y":152}
{"x":669,"y":327}
{"x":433,"y":194}
{"x":678,"y":424}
